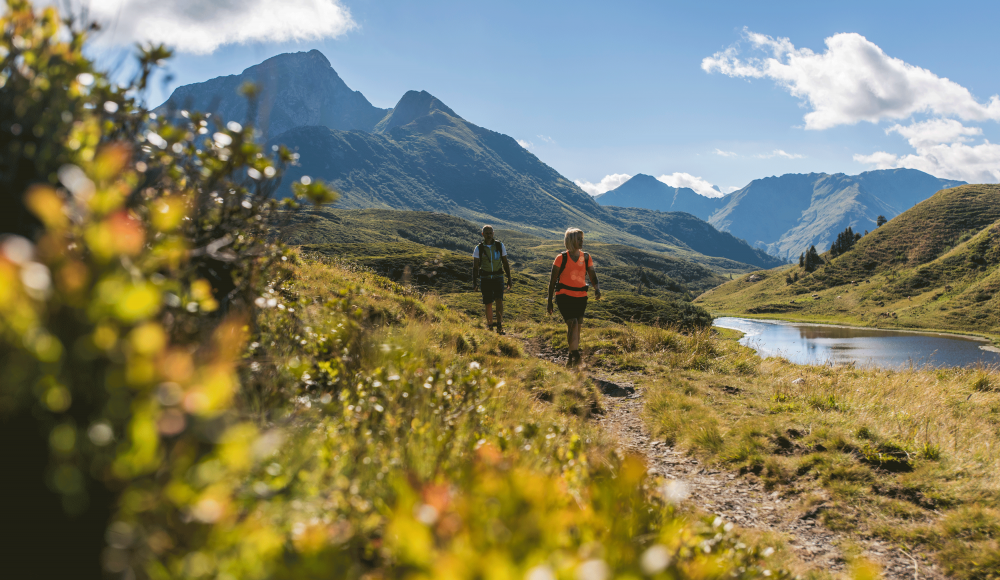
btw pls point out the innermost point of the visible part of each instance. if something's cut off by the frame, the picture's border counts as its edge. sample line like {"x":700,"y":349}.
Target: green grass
{"x":419,"y":443}
{"x":433,"y":253}
{"x":909,"y":457}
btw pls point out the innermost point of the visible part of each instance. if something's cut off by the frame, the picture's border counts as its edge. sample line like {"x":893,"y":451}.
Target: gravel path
{"x":737,"y":499}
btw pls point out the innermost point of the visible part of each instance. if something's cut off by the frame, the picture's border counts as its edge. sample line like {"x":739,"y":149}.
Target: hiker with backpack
{"x":487,"y":260}
{"x":568,"y":282}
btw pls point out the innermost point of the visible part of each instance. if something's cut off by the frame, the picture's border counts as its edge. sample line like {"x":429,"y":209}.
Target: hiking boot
{"x":500,"y":330}
{"x":574,"y":358}
{"x":489,"y":326}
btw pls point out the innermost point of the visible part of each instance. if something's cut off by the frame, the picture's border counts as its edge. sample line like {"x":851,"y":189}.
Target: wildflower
{"x":655,"y":559}
{"x":540,"y":572}
{"x":675,"y":491}
{"x":473,"y":365}
{"x":593,"y":570}
{"x":426,"y":514}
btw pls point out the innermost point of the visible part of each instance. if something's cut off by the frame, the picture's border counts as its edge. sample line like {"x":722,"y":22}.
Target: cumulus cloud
{"x":934,"y":132}
{"x":201,"y":26}
{"x":722,"y":153}
{"x":779,"y":153}
{"x":943,"y":150}
{"x":607,"y":184}
{"x":525,"y":144}
{"x":698,"y":184}
{"x":852,"y":81}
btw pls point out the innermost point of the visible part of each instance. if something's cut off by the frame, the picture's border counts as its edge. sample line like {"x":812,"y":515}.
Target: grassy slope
{"x":416,"y":445}
{"x":693,"y":232}
{"x":908,"y":457}
{"x":936,"y":266}
{"x":433,"y":251}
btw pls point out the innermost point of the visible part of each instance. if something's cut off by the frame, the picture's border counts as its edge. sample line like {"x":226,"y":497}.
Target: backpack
{"x":483,"y":248}
{"x":562,"y":266}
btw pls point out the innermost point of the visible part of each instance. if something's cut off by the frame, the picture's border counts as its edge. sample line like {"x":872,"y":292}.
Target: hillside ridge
{"x":935,"y":266}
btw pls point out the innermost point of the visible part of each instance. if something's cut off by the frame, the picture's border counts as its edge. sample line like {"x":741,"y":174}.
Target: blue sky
{"x":603,"y":89}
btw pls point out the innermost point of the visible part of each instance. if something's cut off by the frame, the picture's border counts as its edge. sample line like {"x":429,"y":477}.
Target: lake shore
{"x":992,"y":340}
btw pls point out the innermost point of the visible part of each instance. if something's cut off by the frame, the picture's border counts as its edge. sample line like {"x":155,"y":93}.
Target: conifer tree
{"x":812,"y":259}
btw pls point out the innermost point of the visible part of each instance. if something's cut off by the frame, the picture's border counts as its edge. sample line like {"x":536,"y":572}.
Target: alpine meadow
{"x":239,"y":339}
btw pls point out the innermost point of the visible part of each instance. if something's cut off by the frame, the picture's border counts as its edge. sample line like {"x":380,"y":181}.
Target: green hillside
{"x":433,"y":252}
{"x":692,"y":232}
{"x":936,"y":266}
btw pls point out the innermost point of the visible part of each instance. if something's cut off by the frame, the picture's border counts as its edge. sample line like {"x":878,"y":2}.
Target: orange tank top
{"x":574,"y":275}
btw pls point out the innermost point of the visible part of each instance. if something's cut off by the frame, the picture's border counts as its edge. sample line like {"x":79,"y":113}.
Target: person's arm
{"x":475,"y":273}
{"x":552,"y":286}
{"x":593,"y":280}
{"x":506,"y":268}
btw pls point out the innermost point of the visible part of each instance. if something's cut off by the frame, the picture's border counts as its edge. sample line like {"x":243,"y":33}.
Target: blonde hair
{"x":573,"y":240}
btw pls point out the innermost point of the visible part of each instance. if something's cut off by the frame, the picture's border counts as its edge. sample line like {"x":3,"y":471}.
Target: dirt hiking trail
{"x":736,"y":498}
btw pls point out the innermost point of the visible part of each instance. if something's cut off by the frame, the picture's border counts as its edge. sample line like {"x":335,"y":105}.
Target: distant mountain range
{"x":787,"y":214}
{"x":421,"y":155}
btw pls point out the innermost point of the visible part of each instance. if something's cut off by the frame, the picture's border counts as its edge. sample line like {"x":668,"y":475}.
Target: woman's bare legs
{"x":573,"y":333}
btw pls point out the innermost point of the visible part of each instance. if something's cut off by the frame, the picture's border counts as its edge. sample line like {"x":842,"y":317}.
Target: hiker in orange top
{"x":568,"y":281}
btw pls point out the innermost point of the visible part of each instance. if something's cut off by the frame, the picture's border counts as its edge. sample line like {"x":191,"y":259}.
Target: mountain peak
{"x":295,"y":89}
{"x":412,"y":106}
{"x":313,"y":59}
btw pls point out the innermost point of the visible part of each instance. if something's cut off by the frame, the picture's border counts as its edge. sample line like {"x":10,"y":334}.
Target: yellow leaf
{"x":110,"y":161}
{"x":138,"y":303}
{"x":47,"y":205}
{"x":166,"y":213}
{"x":148,"y":338}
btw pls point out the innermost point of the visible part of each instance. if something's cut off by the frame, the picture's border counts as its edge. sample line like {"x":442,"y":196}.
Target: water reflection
{"x":813,"y":344}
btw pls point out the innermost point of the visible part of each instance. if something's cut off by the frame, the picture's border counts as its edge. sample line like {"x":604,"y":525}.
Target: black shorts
{"x":571,"y":306}
{"x":492,"y":289}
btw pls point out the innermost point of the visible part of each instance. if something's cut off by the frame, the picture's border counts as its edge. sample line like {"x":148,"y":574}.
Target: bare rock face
{"x":294,"y":90}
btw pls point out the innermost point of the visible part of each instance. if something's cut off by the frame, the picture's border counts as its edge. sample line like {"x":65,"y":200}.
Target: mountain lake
{"x":889,"y":349}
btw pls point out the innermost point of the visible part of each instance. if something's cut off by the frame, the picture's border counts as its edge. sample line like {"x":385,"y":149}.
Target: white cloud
{"x":604,"y":185}
{"x":698,"y":184}
{"x":201,"y":26}
{"x":779,"y":153}
{"x":854,"y":80}
{"x":934,"y":132}
{"x":722,"y":153}
{"x":547,"y":139}
{"x":525,"y":144}
{"x":942,"y":150}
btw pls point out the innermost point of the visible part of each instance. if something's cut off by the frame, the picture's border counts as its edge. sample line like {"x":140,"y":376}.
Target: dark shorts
{"x":492,"y":289}
{"x":571,"y":307}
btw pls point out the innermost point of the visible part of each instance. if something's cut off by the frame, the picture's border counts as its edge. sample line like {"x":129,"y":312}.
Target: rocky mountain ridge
{"x":421,"y":155}
{"x":787,"y":214}
{"x":294,"y":90}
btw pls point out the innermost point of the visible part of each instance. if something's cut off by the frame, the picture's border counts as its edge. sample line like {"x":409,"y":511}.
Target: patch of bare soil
{"x":739,"y":499}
